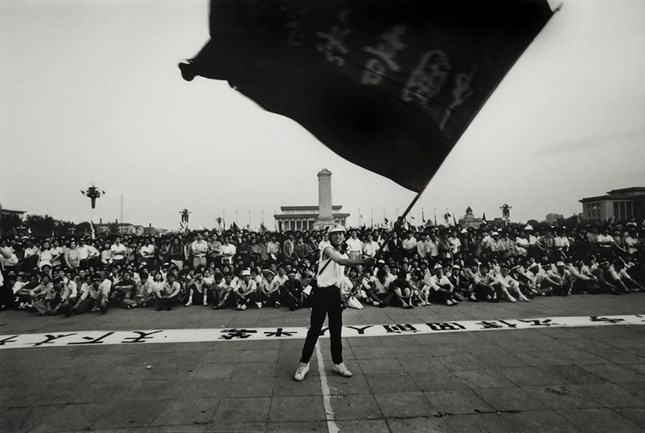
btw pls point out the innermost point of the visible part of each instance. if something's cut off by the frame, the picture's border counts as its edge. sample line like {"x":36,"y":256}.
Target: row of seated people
{"x":402,"y":284}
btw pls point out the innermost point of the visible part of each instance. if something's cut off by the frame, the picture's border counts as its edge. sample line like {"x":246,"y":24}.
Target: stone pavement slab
{"x":457,"y":401}
{"x":600,"y":421}
{"x":405,"y":404}
{"x":540,"y":422}
{"x":562,"y":379}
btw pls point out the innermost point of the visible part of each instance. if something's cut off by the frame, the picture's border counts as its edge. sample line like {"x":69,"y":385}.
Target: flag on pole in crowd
{"x":411,"y":225}
{"x":388,"y":85}
{"x":454,"y":220}
{"x":234,"y":227}
{"x":263,"y":228}
{"x":92,"y":230}
{"x":446,"y":217}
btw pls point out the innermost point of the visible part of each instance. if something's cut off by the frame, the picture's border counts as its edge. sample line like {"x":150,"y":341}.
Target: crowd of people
{"x":247,"y":269}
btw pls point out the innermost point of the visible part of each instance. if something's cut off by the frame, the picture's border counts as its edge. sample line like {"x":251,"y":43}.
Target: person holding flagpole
{"x":326,"y":300}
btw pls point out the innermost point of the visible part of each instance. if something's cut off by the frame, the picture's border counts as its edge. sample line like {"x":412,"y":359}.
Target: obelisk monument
{"x":325,"y":215}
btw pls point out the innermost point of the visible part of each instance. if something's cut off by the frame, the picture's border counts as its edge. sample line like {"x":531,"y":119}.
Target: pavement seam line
{"x":332,"y":427}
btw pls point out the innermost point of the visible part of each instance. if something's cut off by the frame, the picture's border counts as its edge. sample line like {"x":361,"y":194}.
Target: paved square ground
{"x":536,"y":380}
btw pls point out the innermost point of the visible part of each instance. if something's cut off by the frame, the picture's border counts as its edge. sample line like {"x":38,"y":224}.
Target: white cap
{"x":246,"y":273}
{"x":337,"y":229}
{"x":528,"y":227}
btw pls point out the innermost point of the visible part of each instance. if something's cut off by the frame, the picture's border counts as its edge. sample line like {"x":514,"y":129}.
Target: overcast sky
{"x":90,"y":93}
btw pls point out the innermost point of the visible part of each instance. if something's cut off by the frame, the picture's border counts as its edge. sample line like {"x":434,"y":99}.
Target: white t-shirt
{"x":118,"y":251}
{"x":354,"y":245}
{"x":333,"y":273}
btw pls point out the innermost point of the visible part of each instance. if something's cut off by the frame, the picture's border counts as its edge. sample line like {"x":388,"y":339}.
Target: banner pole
{"x":399,"y":221}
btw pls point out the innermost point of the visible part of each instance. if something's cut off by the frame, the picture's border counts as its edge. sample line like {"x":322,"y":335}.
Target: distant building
{"x":617,"y":204}
{"x":497,"y":222}
{"x":552,"y":218}
{"x":469,"y":220}
{"x":9,"y":212}
{"x":120,"y":228}
{"x":305,"y":217}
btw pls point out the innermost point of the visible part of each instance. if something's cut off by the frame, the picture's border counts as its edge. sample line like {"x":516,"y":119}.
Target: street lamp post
{"x":93,"y":193}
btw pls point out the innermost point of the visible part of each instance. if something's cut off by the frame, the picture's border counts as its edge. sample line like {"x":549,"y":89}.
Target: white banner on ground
{"x":93,"y":338}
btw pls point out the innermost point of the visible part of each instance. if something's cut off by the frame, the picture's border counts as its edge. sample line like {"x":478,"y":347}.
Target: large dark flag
{"x":388,"y":85}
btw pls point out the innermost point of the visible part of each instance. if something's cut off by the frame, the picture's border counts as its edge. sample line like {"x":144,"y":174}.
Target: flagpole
{"x":399,"y":221}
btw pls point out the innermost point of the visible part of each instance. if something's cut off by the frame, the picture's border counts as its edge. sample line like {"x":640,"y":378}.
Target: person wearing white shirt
{"x":269,"y":289}
{"x":119,"y":251}
{"x":147,"y":252}
{"x":326,"y":301}
{"x":93,"y":295}
{"x":168,"y":295}
{"x":505,"y":284}
{"x":409,"y":245}
{"x":46,"y":256}
{"x":228,"y":252}
{"x":246,"y":292}
{"x":57,"y":253}
{"x":223,"y":290}
{"x":441,"y":289}
{"x":370,"y":246}
{"x":354,"y":246}
{"x":83,"y":252}
{"x":198,"y":251}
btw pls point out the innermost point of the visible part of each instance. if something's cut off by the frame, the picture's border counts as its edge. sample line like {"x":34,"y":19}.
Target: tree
{"x":40,"y":225}
{"x":9,"y":223}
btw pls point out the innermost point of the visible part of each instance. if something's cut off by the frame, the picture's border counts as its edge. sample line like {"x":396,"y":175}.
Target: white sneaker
{"x":259,"y":305}
{"x":301,"y":371}
{"x":342,"y":370}
{"x":188,"y":304}
{"x":243,"y":307}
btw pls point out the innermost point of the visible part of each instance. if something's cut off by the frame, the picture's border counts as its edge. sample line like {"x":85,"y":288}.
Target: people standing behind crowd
{"x":354,"y":246}
{"x":198,"y":251}
{"x":72,"y":256}
{"x":118,"y":251}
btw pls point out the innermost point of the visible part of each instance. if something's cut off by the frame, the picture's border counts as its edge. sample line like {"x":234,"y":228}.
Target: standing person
{"x":198,"y":251}
{"x":119,"y":251}
{"x":354,"y":246}
{"x":326,"y":300}
{"x":72,"y":255}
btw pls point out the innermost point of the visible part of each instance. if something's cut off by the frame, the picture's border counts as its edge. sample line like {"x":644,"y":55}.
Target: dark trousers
{"x":325,"y":301}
